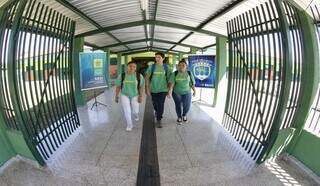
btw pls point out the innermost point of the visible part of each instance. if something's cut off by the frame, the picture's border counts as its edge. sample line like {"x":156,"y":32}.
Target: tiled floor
{"x":201,"y":152}
{"x":101,"y":152}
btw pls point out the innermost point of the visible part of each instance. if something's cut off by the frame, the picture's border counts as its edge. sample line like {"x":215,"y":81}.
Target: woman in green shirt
{"x":180,"y":84}
{"x":157,"y":76}
{"x":130,"y":84}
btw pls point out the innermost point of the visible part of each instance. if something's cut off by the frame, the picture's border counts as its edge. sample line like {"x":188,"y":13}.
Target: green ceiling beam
{"x":91,"y":45}
{"x":145,"y":40}
{"x":136,"y":52}
{"x":144,"y":17}
{"x":208,"y":46}
{"x":149,"y":22}
{"x":85,"y":17}
{"x":165,"y":49}
{"x":145,"y":50}
{"x":158,"y":49}
{"x":153,"y":26}
{"x":175,"y":43}
{"x":124,"y":43}
{"x":79,"y":12}
{"x":134,"y":49}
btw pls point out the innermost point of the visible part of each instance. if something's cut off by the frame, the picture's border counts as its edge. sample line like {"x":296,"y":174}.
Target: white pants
{"x":130,"y":106}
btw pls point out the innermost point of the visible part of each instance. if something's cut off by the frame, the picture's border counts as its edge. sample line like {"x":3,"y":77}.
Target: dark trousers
{"x":183,"y":103}
{"x":158,"y":100}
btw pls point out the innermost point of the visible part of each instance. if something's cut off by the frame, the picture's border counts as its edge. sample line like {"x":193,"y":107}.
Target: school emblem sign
{"x":203,"y":69}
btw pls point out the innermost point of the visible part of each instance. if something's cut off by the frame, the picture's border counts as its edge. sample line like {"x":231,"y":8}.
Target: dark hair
{"x":131,"y":62}
{"x":182,"y":61}
{"x":160,"y":54}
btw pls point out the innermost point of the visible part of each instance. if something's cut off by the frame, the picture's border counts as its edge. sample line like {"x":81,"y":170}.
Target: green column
{"x":180,"y":56}
{"x":119,"y":62}
{"x":175,"y":60}
{"x":310,"y":75}
{"x":108,"y":53}
{"x":126,"y":59}
{"x":78,"y":47}
{"x":221,"y":64}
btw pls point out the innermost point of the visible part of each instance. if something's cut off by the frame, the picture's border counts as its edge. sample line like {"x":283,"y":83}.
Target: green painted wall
{"x":281,"y":144}
{"x":19,"y":144}
{"x":6,"y":151}
{"x":307,"y":150}
{"x":12,"y":143}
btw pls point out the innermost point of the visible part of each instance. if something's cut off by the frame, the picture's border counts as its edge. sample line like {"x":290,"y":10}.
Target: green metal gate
{"x":265,"y":72}
{"x":36,"y":87}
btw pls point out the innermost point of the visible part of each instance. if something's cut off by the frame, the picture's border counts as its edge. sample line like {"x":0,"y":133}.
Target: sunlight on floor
{"x":281,"y":174}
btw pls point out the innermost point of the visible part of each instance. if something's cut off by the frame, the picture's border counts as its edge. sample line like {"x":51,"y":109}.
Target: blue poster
{"x":93,"y":70}
{"x":203,"y":68}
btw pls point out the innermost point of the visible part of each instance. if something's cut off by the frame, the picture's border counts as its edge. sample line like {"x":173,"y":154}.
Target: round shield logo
{"x":202,"y":69}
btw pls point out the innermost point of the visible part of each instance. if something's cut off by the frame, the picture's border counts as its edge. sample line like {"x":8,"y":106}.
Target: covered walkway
{"x":256,"y":123}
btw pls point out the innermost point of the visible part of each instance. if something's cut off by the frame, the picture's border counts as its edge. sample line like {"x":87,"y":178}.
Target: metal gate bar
{"x":259,"y":64}
{"x":5,"y":100}
{"x":38,"y":87}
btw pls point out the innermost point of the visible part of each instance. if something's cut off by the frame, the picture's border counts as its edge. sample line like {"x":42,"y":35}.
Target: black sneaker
{"x":184,"y":118}
{"x":179,"y":121}
{"x":158,"y":124}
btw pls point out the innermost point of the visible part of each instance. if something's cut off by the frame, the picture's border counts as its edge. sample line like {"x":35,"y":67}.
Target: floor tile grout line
{"x":184,"y":146}
{"x":108,"y":140}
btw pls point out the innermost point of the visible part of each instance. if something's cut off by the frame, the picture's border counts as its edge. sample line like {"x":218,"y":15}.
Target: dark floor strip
{"x":148,"y":172}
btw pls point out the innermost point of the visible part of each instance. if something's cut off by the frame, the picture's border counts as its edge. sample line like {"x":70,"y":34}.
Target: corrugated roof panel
{"x":118,"y":48}
{"x":81,"y":24}
{"x":182,"y":49}
{"x":108,"y":13}
{"x":305,"y":3}
{"x":191,"y":12}
{"x":137,"y":45}
{"x":162,"y":45}
{"x":129,"y":34}
{"x":2,"y":2}
{"x":152,"y":9}
{"x":171,"y":34}
{"x":200,"y":40}
{"x":100,"y":40}
{"x":219,"y":25}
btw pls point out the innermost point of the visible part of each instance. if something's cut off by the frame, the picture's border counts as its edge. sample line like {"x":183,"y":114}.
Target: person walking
{"x":130,"y":84}
{"x":180,"y":84}
{"x":157,"y":76}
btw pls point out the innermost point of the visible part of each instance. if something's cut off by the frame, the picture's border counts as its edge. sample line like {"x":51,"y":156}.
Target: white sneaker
{"x":136,"y":118}
{"x":129,"y":129}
